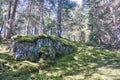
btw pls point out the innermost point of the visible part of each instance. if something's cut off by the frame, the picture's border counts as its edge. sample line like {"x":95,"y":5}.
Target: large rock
{"x":32,"y":47}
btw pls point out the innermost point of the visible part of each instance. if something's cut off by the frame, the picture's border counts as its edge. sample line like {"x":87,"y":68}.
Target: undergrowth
{"x":81,"y":65}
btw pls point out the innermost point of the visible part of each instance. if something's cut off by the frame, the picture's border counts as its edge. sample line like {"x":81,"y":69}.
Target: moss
{"x":44,"y":50}
{"x":33,"y":38}
{"x":26,"y":67}
{"x":85,"y":61}
{"x":28,"y":38}
{"x":2,"y":61}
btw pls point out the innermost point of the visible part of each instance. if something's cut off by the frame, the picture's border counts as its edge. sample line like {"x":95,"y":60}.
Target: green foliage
{"x":90,"y":43}
{"x":68,"y":5}
{"x":92,"y":36}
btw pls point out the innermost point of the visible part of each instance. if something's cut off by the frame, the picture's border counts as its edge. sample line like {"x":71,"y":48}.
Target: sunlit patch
{"x":88,"y":63}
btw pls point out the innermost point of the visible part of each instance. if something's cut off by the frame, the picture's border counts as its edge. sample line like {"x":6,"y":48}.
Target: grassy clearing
{"x":88,"y":63}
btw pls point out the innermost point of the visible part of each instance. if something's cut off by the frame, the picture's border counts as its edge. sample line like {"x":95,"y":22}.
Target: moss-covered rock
{"x":31,"y":47}
{"x":33,"y":38}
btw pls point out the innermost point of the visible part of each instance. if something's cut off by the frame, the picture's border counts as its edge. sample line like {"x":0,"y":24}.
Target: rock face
{"x":32,"y":47}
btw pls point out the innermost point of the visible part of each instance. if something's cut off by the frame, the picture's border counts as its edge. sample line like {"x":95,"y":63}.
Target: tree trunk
{"x":36,"y":28}
{"x":59,"y":8}
{"x":1,"y":31}
{"x":28,"y":17}
{"x":10,"y":19}
{"x":39,"y":28}
{"x":7,"y":28}
{"x":14,"y":9}
{"x":28,"y":26}
{"x":41,"y":24}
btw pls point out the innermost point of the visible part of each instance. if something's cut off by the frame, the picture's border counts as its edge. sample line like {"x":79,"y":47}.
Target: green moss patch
{"x":26,"y":67}
{"x":33,"y":38}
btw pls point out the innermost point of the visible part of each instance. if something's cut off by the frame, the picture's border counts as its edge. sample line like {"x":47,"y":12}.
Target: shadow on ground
{"x":88,"y":63}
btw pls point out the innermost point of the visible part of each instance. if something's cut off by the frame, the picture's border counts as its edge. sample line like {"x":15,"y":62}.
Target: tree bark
{"x":28,"y":18}
{"x":14,"y":9}
{"x":9,"y":22}
{"x":1,"y":31}
{"x":41,"y":24}
{"x":39,"y":28}
{"x":59,"y":9}
{"x":10,"y":6}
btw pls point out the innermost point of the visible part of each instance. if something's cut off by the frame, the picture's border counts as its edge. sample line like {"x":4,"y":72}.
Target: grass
{"x":88,"y":63}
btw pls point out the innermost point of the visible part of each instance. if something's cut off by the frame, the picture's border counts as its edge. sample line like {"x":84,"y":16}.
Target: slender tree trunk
{"x":59,"y":8}
{"x":39,"y":29}
{"x":10,"y":19}
{"x":28,"y":18}
{"x":28,"y":26}
{"x":1,"y":28}
{"x":14,"y":9}
{"x":1,"y":31}
{"x":41,"y":24}
{"x":7,"y":28}
{"x":10,"y":6}
{"x":36,"y":28}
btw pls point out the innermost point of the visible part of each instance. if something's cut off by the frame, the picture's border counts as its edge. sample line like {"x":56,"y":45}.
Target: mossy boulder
{"x":32,"y":47}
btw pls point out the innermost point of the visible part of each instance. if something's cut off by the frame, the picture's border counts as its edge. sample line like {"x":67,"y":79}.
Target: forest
{"x":59,"y":39}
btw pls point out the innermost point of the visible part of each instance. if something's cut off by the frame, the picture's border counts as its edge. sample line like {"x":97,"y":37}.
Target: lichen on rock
{"x":31,"y":47}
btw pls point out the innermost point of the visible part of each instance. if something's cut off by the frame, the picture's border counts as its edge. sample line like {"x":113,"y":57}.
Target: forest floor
{"x":88,"y":63}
